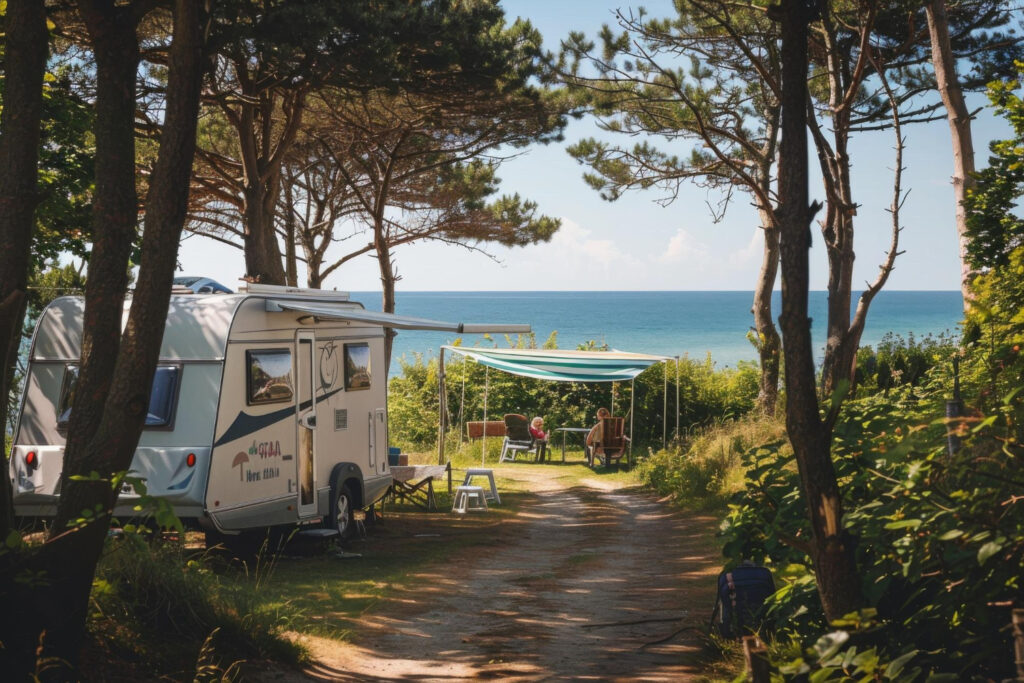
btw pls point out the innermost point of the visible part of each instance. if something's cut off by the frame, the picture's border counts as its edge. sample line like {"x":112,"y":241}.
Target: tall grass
{"x":703,"y":472}
{"x":166,"y":604}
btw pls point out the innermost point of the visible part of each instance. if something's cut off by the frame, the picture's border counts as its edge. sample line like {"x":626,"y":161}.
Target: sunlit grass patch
{"x":703,"y":473}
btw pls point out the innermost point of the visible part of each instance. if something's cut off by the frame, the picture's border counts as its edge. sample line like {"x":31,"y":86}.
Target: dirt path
{"x":596,"y":582}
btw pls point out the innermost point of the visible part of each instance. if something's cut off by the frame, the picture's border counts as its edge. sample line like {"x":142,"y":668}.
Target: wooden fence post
{"x":756,"y":655}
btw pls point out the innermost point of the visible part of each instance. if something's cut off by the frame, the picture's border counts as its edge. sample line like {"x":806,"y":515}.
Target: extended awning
{"x":398,"y":322}
{"x":563,"y":365}
{"x":557,"y":366}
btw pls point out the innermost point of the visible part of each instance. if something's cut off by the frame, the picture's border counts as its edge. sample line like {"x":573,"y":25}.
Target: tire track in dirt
{"x":594,"y":578}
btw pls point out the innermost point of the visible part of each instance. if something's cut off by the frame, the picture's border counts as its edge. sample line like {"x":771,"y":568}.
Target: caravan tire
{"x":341,"y":512}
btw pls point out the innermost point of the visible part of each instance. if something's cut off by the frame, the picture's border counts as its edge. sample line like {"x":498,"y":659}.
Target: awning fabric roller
{"x":398,"y":322}
{"x":563,"y":365}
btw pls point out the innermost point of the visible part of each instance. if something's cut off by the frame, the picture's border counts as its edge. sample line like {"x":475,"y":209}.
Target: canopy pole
{"x":664,"y":410}
{"x":632,"y":404}
{"x":442,"y":395}
{"x":483,"y":439}
{"x":462,"y":402}
{"x":677,"y":397}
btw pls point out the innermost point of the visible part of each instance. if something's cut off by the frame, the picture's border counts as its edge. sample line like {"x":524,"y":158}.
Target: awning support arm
{"x":664,"y":410}
{"x":678,"y":407}
{"x":442,"y":396}
{"x":483,"y":439}
{"x":632,"y":404}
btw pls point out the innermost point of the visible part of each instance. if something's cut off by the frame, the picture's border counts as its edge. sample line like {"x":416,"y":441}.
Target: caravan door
{"x":305,"y":413}
{"x":379,"y":455}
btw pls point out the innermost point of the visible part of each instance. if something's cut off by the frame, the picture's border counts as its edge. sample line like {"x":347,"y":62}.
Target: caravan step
{"x":318,"y":533}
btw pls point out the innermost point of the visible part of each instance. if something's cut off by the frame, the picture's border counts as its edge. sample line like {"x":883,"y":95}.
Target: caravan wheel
{"x":341,"y":513}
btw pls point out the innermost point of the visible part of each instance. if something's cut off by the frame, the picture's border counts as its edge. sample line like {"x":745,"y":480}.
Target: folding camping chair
{"x":517,"y":438}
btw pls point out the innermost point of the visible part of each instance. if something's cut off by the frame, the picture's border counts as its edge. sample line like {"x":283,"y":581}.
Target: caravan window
{"x":357,"y":366}
{"x":67,"y":395}
{"x":269,"y":379}
{"x":161,"y":397}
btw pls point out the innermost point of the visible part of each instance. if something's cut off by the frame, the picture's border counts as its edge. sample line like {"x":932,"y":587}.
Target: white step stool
{"x":483,"y":472}
{"x":469,"y":498}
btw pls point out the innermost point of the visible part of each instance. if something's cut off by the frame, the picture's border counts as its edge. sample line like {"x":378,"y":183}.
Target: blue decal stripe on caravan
{"x":182,"y":485}
{"x":246,"y":424}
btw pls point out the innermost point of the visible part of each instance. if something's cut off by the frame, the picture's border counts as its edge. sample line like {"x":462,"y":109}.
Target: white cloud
{"x":683,"y":247}
{"x":748,"y":257}
{"x":571,"y":233}
{"x":602,"y":251}
{"x":573,"y":239}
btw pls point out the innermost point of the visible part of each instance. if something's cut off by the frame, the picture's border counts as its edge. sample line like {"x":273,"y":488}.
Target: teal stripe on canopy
{"x":563,"y":366}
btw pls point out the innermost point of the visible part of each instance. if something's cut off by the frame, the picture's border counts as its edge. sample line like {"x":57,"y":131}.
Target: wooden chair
{"x":517,"y":438}
{"x":610,"y":442}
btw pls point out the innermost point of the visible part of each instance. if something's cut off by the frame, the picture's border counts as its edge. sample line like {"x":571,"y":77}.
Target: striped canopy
{"x":563,"y":366}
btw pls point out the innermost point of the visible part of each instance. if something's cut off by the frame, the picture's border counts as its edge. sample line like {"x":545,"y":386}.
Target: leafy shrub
{"x":705,"y":472}
{"x":933,"y":504}
{"x":897,"y":361}
{"x":940,"y":539}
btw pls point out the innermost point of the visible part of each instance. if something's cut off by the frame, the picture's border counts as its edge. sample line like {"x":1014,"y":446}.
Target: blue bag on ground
{"x":741,"y":595}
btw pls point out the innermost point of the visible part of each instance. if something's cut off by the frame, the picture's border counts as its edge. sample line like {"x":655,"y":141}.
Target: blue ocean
{"x":690,"y":324}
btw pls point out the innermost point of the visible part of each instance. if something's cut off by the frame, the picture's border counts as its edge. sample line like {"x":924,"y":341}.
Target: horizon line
{"x":624,"y":291}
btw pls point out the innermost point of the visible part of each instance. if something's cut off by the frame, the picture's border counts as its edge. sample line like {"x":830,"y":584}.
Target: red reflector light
{"x":191,"y":460}
{"x":30,"y":459}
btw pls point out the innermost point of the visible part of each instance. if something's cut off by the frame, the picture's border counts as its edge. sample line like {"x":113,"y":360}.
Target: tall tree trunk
{"x":838,"y":235}
{"x":25,"y":63}
{"x":110,"y":406}
{"x":60,"y":610}
{"x":262,"y":150}
{"x":262,"y":253}
{"x":832,"y":553}
{"x":837,"y":326}
{"x":387,"y":283}
{"x":314,"y":261}
{"x":959,"y":127}
{"x":313,"y":279}
{"x":9,"y":366}
{"x":382,"y":246}
{"x":846,"y":73}
{"x":768,"y":343}
{"x":290,"y":257}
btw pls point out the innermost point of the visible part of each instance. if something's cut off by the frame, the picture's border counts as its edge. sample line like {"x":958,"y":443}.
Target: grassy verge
{"x":704,"y":472}
{"x":161,"y":608}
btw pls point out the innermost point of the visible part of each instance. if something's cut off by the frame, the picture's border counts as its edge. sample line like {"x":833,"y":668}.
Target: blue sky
{"x":637,"y":244}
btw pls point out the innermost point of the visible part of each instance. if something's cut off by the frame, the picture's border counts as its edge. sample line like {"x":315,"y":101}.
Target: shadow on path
{"x":589,"y":584}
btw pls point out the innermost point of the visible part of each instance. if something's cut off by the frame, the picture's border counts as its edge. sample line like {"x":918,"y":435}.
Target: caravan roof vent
{"x":189,"y":284}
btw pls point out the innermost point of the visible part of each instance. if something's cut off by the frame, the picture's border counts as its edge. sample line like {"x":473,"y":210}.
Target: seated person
{"x":540,"y":437}
{"x":595,"y":433}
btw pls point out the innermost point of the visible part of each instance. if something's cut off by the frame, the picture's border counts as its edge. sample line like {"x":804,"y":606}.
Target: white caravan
{"x":269,"y":407}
